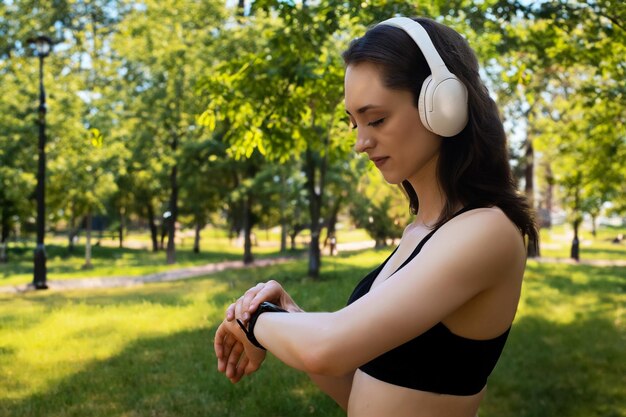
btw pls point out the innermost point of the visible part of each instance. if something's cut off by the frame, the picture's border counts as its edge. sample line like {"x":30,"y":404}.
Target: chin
{"x":393,"y":180}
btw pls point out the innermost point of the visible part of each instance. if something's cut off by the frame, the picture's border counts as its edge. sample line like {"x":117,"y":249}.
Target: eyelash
{"x":372,"y":124}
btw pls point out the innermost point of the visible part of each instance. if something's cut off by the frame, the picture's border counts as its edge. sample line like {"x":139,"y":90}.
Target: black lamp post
{"x":43,"y":45}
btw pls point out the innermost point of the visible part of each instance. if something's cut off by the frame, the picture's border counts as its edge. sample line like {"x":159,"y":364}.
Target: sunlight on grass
{"x":556,"y":243}
{"x":68,"y":332}
{"x":147,"y":351}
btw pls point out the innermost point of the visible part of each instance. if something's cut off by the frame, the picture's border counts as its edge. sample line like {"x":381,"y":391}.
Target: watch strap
{"x":265,"y":307}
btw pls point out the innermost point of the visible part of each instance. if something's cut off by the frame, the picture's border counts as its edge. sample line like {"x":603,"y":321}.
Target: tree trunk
{"x":88,"y":221}
{"x":164,"y":230}
{"x":4,"y":236}
{"x":283,"y":209}
{"x":72,"y":233}
{"x":315,"y":203}
{"x":533,"y":249}
{"x":575,"y":251}
{"x":549,"y":194}
{"x":171,"y":226}
{"x":283,"y":235}
{"x":594,"y":219}
{"x":196,"y":240}
{"x":248,"y":258}
{"x":120,"y":233}
{"x":293,"y":241}
{"x":154,"y":233}
{"x":331,"y":222}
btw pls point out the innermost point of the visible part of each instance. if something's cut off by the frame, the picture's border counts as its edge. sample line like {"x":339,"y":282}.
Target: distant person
{"x":422,"y":332}
{"x":333,"y":245}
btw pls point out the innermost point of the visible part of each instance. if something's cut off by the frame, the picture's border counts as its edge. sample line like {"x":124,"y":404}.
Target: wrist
{"x":264,"y":307}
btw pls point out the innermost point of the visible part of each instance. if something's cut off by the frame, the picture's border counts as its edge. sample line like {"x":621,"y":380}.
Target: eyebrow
{"x":365,"y":108}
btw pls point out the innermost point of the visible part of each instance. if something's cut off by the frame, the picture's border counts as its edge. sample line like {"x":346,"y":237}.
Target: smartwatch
{"x":265,"y":307}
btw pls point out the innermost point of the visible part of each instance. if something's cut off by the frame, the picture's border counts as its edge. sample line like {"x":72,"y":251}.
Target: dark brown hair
{"x":473,"y":168}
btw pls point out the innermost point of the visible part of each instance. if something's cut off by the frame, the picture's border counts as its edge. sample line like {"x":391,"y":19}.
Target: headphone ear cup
{"x":422,"y":106}
{"x":445,"y":106}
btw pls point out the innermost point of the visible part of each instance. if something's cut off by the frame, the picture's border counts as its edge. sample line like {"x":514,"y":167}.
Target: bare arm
{"x":464,"y":259}
{"x":232,"y":358}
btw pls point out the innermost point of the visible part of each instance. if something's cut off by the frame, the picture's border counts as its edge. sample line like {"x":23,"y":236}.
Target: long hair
{"x":473,"y":167}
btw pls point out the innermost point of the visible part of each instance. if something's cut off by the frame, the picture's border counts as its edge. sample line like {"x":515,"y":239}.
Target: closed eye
{"x":376,"y":122}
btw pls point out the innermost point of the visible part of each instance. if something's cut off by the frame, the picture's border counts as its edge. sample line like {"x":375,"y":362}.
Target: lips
{"x":379,"y":161}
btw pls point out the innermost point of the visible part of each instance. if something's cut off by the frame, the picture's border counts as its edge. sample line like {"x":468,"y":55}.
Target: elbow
{"x":323,"y":360}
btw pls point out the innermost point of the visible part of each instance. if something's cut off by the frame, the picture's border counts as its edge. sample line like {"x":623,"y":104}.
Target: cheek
{"x":410,"y":132}
{"x":415,"y":141}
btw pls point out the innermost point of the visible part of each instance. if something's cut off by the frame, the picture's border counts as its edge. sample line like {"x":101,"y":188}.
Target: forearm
{"x":302,"y":340}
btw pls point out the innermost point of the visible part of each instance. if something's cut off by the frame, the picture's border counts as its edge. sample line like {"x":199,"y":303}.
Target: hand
{"x":236,"y":356}
{"x":270,"y":291}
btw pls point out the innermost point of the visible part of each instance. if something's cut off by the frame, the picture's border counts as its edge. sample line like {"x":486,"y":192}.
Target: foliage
{"x":382,"y":210}
{"x":183,"y":92}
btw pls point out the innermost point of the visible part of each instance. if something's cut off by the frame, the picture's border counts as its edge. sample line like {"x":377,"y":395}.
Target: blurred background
{"x":139,"y":138}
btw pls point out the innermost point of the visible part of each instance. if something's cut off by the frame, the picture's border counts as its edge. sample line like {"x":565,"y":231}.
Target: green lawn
{"x":136,"y":258}
{"x":556,"y":243}
{"x":147,"y":351}
{"x":133,"y":260}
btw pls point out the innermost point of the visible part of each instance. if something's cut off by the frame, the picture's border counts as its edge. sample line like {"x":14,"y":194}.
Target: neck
{"x":431,"y":197}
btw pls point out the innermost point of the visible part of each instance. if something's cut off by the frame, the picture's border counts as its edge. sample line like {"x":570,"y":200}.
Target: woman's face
{"x":389,"y":128}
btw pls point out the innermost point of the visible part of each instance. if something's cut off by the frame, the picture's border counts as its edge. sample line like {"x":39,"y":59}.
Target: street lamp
{"x":43,"y":45}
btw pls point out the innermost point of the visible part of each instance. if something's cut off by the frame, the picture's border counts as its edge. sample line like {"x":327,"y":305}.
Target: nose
{"x":363,"y":141}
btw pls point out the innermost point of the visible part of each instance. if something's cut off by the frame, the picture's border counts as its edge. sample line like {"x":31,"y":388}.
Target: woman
{"x":421,"y":333}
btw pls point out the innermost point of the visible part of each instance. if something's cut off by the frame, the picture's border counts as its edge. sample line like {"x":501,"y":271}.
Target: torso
{"x":486,"y":316}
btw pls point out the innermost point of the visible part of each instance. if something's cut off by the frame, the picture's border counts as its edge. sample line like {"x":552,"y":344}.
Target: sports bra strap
{"x":428,"y":236}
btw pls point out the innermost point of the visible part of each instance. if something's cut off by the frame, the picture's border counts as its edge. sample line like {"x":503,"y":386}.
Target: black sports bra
{"x":438,"y":360}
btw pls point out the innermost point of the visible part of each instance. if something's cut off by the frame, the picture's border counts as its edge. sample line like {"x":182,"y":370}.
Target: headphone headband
{"x":442,"y":102}
{"x":423,"y":41}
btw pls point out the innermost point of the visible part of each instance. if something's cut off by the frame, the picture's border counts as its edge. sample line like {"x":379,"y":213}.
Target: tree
{"x":292,"y":107}
{"x":382,"y":210}
{"x":179,"y":35}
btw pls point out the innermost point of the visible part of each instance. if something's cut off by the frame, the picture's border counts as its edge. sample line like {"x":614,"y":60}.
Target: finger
{"x":240,"y":371}
{"x":220,"y":347}
{"x":271,"y":292}
{"x":239,"y":309}
{"x":247,"y":297}
{"x":218,"y":341}
{"x":233,"y":360}
{"x":230,"y":312}
{"x":229,"y":343}
{"x":241,"y":366}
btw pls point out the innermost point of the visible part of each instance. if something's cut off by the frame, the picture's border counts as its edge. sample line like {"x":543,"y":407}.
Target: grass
{"x":110,"y":261}
{"x":146,"y":351}
{"x":556,"y":243}
{"x":136,"y":259}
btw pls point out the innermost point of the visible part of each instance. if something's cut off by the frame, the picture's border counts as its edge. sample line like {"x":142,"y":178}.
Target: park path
{"x":131,"y":281}
{"x":196,"y":271}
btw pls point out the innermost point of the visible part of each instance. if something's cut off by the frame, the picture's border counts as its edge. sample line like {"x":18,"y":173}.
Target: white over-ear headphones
{"x":442,"y":102}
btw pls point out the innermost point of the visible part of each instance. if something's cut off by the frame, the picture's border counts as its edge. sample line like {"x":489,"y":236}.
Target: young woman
{"x":421,"y":333}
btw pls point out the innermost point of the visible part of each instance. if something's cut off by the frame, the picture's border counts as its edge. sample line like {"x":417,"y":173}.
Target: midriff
{"x":371,"y":397}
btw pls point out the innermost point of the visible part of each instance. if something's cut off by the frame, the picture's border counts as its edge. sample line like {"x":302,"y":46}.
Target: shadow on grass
{"x":61,"y":261}
{"x":618,"y":252}
{"x":173,"y":376}
{"x":548,"y":369}
{"x":577,"y":279}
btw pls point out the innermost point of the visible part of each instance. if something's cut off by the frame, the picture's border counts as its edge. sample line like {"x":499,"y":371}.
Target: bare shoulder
{"x":483,"y":237}
{"x":484,"y":222}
